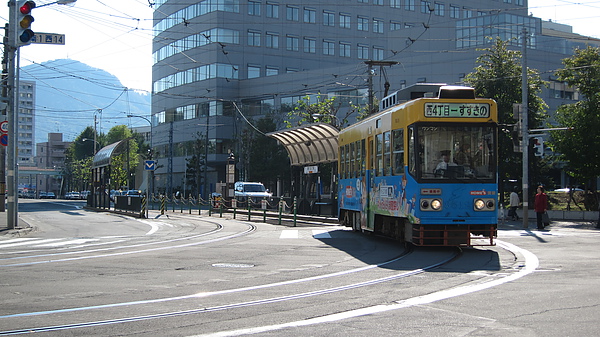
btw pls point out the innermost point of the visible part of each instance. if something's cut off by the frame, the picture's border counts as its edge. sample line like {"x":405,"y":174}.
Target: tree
{"x":78,"y":160}
{"x":498,"y":76}
{"x":124,"y":164}
{"x":196,"y":164}
{"x":268,"y":161}
{"x":578,"y":147}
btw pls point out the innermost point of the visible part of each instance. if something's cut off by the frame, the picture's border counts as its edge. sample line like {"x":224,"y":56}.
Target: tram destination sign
{"x":457,"y":110}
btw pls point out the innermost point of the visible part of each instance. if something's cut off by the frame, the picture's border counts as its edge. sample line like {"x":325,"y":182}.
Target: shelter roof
{"x":309,"y":144}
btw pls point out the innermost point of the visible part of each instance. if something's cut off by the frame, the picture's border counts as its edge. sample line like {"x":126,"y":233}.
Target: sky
{"x":116,"y":35}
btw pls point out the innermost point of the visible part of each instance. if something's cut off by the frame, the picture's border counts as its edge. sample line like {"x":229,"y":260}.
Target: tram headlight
{"x":484,"y":204}
{"x":431,"y":204}
{"x":479,"y":204}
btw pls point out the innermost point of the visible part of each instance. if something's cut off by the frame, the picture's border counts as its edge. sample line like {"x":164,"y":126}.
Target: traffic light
{"x":538,"y":146}
{"x":22,"y":26}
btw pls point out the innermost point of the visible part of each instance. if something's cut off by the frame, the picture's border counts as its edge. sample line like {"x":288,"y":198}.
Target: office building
{"x":218,"y":63}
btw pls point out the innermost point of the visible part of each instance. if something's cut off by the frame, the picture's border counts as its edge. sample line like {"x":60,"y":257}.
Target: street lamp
{"x":91,"y":140}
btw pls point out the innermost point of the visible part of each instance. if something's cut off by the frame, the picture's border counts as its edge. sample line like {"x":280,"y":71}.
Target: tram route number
{"x":460,"y":110}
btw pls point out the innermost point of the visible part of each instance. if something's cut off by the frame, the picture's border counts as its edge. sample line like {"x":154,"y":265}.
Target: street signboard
{"x":150,"y":165}
{"x":48,"y":38}
{"x":4,"y":126}
{"x":4,"y":139}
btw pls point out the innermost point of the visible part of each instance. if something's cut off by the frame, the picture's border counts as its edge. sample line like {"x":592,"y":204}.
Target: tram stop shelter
{"x":101,"y":167}
{"x":307,"y":146}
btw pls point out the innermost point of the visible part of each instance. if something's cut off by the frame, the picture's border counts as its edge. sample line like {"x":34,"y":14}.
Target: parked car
{"x":47,"y":195}
{"x":251,"y":190}
{"x":133,"y":193}
{"x":73,"y":196}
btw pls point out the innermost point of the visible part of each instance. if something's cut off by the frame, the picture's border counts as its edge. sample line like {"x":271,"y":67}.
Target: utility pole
{"x":525,"y":117}
{"x":381,"y":64}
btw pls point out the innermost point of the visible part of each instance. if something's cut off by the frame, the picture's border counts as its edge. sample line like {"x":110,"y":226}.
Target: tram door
{"x":367,"y":216}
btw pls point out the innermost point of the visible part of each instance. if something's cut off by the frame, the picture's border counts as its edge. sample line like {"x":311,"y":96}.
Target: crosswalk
{"x":297,"y":234}
{"x":70,"y":242}
{"x":30,"y":242}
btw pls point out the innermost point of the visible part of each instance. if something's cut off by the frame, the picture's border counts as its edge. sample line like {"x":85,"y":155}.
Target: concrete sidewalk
{"x":22,"y":228}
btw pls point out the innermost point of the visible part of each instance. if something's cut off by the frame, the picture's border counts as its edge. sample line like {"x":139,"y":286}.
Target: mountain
{"x":70,"y":93}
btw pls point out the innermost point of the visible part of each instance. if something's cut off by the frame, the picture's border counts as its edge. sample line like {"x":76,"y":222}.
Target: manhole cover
{"x":232,"y":265}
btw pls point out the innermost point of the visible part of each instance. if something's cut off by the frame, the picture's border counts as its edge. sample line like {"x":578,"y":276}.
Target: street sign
{"x":4,"y":126}
{"x":4,"y":139}
{"x":48,"y":38}
{"x":150,"y":165}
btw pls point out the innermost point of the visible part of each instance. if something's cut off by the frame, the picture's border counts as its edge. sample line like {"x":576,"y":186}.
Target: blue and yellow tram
{"x":423,"y":171}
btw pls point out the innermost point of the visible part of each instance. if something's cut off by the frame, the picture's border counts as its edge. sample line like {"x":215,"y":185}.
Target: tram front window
{"x":455,"y":152}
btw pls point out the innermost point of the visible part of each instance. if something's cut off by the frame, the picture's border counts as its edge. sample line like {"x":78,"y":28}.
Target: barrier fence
{"x":274,"y":209}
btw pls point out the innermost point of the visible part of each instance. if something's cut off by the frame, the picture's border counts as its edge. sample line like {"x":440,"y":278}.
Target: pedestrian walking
{"x":513,"y":205}
{"x":540,"y":206}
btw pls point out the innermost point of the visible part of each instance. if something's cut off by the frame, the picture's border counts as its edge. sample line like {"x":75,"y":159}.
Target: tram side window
{"x":363,"y":156}
{"x":358,"y":157}
{"x":342,"y":161}
{"x":387,"y":154}
{"x":379,"y":154}
{"x":347,"y":160}
{"x":352,"y":158}
{"x":411,"y":151}
{"x":398,"y":152}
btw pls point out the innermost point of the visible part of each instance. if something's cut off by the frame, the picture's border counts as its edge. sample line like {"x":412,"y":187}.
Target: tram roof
{"x":309,"y":144}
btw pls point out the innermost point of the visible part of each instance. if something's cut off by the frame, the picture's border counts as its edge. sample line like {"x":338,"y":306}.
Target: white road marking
{"x":531,"y":264}
{"x":66,"y":243}
{"x":25,"y":242}
{"x":289,"y":234}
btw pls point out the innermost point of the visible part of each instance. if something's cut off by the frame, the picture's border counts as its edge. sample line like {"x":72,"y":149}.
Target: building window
{"x":377,"y":53}
{"x":328,"y":19}
{"x":254,"y":8}
{"x":344,"y":21}
{"x":363,"y":52}
{"x":253,"y":38}
{"x":425,"y":6}
{"x":467,"y":13}
{"x":272,"y":10}
{"x":310,"y":45}
{"x":328,"y":47}
{"x":440,"y":9}
{"x":507,"y":1}
{"x":272,"y":40}
{"x":292,"y":43}
{"x":271,"y":71}
{"x":310,"y":15}
{"x":519,"y":2}
{"x":395,"y":4}
{"x":253,"y":71}
{"x":409,"y":5}
{"x":363,"y":24}
{"x":454,"y":12}
{"x":292,"y":13}
{"x":377,"y":26}
{"x":394,"y":25}
{"x":378,"y":2}
{"x":345,"y":49}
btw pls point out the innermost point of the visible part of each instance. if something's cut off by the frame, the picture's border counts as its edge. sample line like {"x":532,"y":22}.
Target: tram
{"x":423,"y":171}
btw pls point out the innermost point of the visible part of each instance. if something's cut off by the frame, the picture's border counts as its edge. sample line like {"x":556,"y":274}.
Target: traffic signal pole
{"x":11,"y":112}
{"x":525,"y":123}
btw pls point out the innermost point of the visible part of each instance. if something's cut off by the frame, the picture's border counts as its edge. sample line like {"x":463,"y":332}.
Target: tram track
{"x":226,"y":306}
{"x":105,"y":252}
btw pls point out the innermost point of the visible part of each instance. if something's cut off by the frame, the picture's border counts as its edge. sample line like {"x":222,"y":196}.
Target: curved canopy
{"x":102,"y":158}
{"x":310,"y":144}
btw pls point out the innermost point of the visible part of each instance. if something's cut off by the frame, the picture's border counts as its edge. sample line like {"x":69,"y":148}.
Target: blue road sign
{"x":4,"y":139}
{"x":150,"y":165}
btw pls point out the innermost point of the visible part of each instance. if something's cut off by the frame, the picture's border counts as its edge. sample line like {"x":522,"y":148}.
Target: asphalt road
{"x":75,"y":272}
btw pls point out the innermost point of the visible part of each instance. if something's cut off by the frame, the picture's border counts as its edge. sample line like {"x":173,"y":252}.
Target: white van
{"x":254,"y":191}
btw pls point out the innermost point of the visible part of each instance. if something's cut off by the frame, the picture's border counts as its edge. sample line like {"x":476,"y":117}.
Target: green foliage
{"x":268,"y":161}
{"x":498,"y":76}
{"x":195,"y":165}
{"x":579,"y":147}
